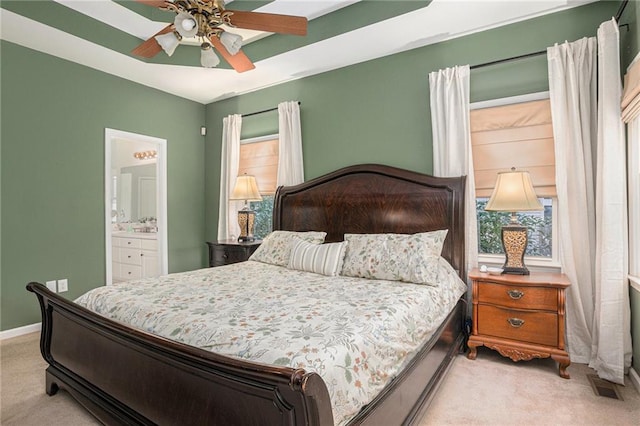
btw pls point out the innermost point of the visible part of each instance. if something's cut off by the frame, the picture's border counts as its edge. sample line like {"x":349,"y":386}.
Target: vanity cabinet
{"x":134,"y":256}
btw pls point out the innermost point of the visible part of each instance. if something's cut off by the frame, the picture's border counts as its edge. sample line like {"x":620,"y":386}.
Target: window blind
{"x":517,"y":135}
{"x":631,"y":93}
{"x":260,"y":159}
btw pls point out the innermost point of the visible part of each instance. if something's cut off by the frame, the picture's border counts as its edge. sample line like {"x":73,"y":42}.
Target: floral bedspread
{"x":355,"y":333}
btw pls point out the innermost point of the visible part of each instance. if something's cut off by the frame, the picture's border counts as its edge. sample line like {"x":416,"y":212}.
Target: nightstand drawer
{"x":519,"y":297}
{"x":533,"y":327}
{"x":225,"y":255}
{"x":226,"y":252}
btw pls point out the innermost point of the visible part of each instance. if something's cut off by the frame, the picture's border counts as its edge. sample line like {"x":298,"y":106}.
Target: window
{"x":515,"y":132}
{"x":633,"y":151}
{"x":264,"y":216}
{"x":540,"y":224}
{"x":259,"y":157}
{"x":631,"y":116}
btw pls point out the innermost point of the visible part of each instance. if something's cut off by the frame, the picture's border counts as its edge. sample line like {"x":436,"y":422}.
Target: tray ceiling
{"x":100,"y":34}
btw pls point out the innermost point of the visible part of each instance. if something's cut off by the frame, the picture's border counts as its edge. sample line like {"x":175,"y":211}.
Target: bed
{"x":125,"y":375}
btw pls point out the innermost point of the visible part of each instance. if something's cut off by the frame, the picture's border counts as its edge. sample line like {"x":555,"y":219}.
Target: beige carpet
{"x":493,"y":390}
{"x":488,"y":391}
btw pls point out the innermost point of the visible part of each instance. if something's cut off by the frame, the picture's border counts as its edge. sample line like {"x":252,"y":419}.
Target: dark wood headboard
{"x":375,"y":199}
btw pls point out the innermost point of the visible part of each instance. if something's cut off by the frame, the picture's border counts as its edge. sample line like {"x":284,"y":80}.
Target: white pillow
{"x":276,"y":247}
{"x":397,"y":257}
{"x":325,"y":259}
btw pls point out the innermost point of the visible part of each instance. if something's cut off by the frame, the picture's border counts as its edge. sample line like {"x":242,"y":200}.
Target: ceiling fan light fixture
{"x":208,"y":57}
{"x":186,"y":24}
{"x":168,"y":42}
{"x":232,"y":42}
{"x":205,"y":20}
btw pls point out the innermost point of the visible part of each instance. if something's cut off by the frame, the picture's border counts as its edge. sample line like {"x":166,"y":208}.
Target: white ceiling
{"x":440,"y":20}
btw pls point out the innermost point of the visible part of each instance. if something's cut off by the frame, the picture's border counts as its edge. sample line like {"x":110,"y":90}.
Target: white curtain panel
{"x":228,"y":227}
{"x":452,"y":142}
{"x":290,"y":165}
{"x":611,"y":345}
{"x":572,"y":92}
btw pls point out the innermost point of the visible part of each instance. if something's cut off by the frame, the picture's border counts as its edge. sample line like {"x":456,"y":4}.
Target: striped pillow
{"x":276,"y":247}
{"x":325,"y":259}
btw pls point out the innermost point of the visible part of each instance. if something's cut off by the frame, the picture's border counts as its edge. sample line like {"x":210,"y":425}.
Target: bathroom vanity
{"x":134,"y":255}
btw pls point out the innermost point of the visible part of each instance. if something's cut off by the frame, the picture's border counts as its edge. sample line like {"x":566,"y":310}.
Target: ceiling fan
{"x":204,"y":19}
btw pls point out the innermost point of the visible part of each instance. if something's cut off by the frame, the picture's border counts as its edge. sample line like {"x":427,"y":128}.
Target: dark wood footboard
{"x":405,"y":399}
{"x":125,"y":376}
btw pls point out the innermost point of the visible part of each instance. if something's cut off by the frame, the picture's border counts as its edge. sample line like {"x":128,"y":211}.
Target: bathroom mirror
{"x":135,"y":198}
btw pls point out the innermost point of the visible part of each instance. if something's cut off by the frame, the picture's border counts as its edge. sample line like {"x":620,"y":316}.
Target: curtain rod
{"x":621,"y":10}
{"x":263,"y":111}
{"x":513,"y":58}
{"x":541,"y":52}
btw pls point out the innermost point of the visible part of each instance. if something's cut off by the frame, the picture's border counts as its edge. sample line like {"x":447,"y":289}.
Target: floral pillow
{"x":397,"y":257}
{"x":325,"y":259}
{"x":276,"y":247}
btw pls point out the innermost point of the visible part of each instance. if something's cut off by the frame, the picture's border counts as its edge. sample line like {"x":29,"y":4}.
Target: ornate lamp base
{"x":514,"y":242}
{"x":246,"y":220}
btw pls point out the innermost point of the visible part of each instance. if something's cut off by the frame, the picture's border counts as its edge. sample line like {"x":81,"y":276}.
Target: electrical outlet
{"x":63,"y":285}
{"x":51,"y":285}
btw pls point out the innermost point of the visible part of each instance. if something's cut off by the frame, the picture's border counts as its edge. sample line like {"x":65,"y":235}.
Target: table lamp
{"x":246,"y":189}
{"x":513,"y":193}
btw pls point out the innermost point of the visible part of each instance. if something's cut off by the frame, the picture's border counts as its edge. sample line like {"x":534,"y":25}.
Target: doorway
{"x":135,"y":206}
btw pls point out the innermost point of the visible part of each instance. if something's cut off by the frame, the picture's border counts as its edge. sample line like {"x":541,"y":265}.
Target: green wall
{"x":630,"y":46}
{"x":629,"y":34}
{"x":378,"y":111}
{"x":54,"y":114}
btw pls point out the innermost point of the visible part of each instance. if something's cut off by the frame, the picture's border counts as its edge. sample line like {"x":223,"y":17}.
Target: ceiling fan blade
{"x":153,"y":3}
{"x":240,"y":62}
{"x":271,"y":22}
{"x":151,"y":48}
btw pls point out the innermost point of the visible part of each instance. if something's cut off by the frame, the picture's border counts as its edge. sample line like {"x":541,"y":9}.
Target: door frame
{"x":161,"y":187}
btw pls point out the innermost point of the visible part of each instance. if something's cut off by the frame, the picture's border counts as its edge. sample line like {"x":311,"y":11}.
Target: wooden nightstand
{"x":226,"y":252}
{"x":520,"y":316}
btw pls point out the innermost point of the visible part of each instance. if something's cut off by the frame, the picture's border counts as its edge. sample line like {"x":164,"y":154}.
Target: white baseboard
{"x":635,"y":378}
{"x":15,"y":332}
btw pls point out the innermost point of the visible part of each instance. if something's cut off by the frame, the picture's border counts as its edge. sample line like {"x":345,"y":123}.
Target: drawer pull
{"x":515,"y":322}
{"x":225,"y":256}
{"x":515,"y":294}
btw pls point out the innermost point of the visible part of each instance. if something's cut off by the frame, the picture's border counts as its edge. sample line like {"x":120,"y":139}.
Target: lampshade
{"x":168,"y":42}
{"x":233,"y":42}
{"x":513,"y":192}
{"x":186,"y":24}
{"x":246,"y":189}
{"x":208,"y":57}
